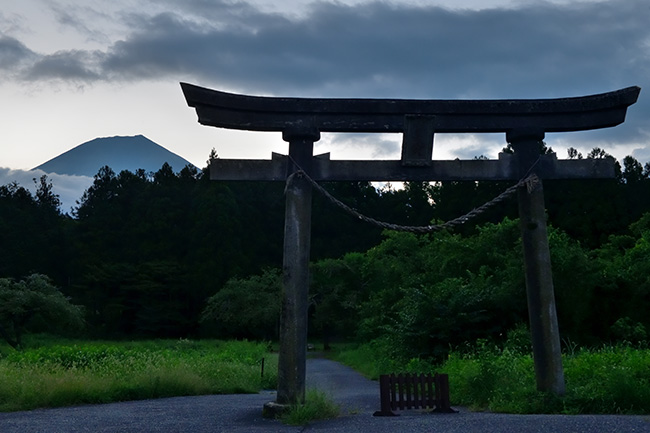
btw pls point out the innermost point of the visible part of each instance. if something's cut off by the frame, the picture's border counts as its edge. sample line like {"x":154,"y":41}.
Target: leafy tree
{"x":246,"y":307}
{"x":624,"y":286}
{"x":575,"y":280}
{"x":336,"y":291}
{"x":598,"y":153}
{"x":573,"y":153}
{"x":429,"y":292}
{"x":575,"y":205}
{"x":331,"y":226}
{"x":543,"y":149}
{"x":34,"y":304}
{"x":33,"y":233}
{"x":632,"y":170}
{"x":98,"y":196}
{"x":45,"y":196}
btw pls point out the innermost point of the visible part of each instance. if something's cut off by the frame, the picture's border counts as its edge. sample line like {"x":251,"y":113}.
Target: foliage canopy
{"x":144,"y":252}
{"x":34,"y":304}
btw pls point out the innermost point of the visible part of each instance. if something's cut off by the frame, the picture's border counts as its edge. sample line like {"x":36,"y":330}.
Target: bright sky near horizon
{"x":73,"y":70}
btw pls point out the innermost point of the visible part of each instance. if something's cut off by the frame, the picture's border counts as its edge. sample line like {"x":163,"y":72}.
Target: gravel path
{"x":358,"y":398}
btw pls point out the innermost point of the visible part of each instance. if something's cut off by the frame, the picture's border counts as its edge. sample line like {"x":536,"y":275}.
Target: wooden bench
{"x":412,"y":391}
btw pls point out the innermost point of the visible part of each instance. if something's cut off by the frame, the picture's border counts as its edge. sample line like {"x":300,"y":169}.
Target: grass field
{"x":606,"y":380}
{"x":53,"y":373}
{"x":56,"y":372}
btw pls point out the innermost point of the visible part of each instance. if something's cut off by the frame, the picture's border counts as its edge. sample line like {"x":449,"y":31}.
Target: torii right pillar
{"x":545,"y":334}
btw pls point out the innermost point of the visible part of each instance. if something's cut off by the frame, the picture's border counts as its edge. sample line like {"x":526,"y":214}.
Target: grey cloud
{"x":64,"y":65}
{"x":165,"y":45}
{"x":69,"y":188}
{"x":382,"y":50}
{"x":642,"y":154}
{"x":12,"y":23}
{"x":382,"y":145}
{"x":470,"y":147}
{"x":80,"y":19}
{"x":13,"y":53}
{"x":227,"y":14}
{"x":379,"y":49}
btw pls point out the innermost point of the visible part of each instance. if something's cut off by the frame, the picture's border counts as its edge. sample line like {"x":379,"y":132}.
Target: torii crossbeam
{"x":301,"y":120}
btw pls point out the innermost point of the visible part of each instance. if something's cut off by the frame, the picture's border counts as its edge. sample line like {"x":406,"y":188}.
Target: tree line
{"x":169,"y":254}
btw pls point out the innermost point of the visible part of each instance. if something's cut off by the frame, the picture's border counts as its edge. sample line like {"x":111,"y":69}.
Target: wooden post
{"x":297,"y":233}
{"x":537,"y":260}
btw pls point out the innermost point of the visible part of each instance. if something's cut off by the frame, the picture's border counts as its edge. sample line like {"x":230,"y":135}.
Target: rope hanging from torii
{"x":529,"y":182}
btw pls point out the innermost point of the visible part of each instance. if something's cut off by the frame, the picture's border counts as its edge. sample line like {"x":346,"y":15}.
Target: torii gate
{"x":301,"y":120}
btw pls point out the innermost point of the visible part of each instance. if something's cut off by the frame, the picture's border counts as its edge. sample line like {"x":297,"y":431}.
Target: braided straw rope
{"x":529,"y":182}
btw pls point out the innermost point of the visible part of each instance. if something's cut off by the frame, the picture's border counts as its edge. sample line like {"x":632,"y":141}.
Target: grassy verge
{"x":318,"y":406}
{"x":609,"y":380}
{"x":55,"y":375}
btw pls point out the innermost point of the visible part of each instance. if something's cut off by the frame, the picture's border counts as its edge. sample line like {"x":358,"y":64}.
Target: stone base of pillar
{"x":274,"y":410}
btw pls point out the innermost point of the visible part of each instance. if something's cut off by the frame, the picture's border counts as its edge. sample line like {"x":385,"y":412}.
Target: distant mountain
{"x":119,"y":153}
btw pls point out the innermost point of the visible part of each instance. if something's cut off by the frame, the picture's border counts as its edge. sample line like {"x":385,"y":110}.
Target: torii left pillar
{"x":295,"y":268}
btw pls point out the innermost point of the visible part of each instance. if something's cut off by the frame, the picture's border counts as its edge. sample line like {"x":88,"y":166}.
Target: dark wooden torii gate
{"x":301,"y":120}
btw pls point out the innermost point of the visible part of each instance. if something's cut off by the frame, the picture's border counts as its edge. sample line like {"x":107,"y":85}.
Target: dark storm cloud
{"x":378,"y":50}
{"x":382,"y":50}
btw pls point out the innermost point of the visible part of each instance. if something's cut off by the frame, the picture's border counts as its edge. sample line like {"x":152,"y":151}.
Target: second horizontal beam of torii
{"x":323,"y":169}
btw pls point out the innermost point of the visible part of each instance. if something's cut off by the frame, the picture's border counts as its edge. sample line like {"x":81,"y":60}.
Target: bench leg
{"x":443,"y":403}
{"x":384,"y":397}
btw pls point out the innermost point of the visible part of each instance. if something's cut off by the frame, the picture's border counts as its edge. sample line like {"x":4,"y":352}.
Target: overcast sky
{"x":74,"y":70}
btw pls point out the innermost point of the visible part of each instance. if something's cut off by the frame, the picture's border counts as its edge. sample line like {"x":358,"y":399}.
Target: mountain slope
{"x":119,"y":153}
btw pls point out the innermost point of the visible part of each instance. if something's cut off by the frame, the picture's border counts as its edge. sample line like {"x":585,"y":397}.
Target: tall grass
{"x":608,"y":380}
{"x":101,"y":372}
{"x":368,"y":359}
{"x":318,"y":406}
{"x":612,"y":379}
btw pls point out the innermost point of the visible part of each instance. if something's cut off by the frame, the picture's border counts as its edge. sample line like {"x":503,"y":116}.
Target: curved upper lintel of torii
{"x":260,"y":113}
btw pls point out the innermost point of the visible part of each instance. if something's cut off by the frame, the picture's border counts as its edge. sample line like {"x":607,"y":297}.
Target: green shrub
{"x":369,"y":359}
{"x":609,"y":380}
{"x":613,"y":379}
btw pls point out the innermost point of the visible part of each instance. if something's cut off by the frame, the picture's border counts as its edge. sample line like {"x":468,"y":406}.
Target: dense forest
{"x":169,"y":254}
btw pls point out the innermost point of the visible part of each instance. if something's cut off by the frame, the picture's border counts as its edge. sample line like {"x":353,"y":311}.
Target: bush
{"x":484,"y":376}
{"x":32,"y":304}
{"x":613,"y":379}
{"x":610,"y":380}
{"x":370,"y":359}
{"x":246,"y":307}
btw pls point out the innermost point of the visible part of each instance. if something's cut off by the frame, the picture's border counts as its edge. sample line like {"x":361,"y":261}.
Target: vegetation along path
{"x":357,"y":397}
